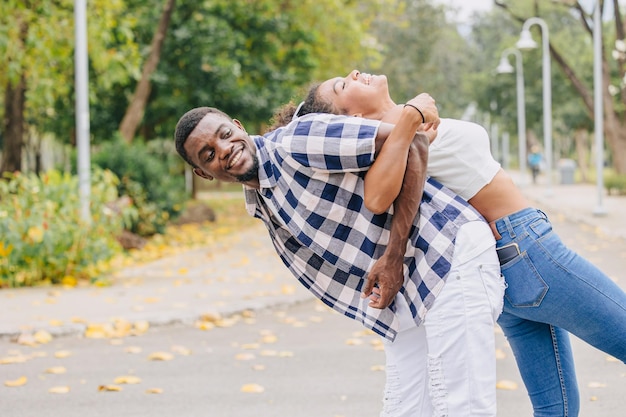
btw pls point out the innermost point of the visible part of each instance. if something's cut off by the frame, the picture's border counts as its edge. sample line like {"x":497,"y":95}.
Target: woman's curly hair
{"x":312,"y":104}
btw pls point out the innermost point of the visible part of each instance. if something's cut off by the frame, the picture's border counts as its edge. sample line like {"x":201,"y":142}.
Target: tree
{"x":136,"y":109}
{"x":614,"y":106}
{"x":36,"y":76}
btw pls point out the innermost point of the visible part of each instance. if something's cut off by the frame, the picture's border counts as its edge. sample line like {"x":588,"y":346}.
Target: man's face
{"x":357,"y":94}
{"x":222,"y":150}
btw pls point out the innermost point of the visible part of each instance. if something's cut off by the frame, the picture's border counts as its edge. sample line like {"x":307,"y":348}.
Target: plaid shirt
{"x":311,"y":200}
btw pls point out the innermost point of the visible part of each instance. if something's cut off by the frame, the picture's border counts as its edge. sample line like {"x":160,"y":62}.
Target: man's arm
{"x":388,"y":173}
{"x":387,"y":271}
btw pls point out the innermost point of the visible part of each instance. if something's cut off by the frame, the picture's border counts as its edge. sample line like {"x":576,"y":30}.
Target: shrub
{"x":615,"y":182}
{"x":42,"y":241}
{"x":151,"y":176}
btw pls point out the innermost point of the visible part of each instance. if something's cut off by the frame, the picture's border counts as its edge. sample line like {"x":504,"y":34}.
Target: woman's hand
{"x":426,"y":104}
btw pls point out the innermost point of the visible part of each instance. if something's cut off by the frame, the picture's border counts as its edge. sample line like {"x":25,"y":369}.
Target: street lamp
{"x":597,"y":101}
{"x":505,"y":68}
{"x":526,"y":42}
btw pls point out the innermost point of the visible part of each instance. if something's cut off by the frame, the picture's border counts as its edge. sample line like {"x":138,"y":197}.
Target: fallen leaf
{"x":506,"y":385}
{"x":13,"y":359}
{"x":16,"y":382}
{"x":62,"y":354}
{"x":160,"y":356}
{"x":154,"y":391}
{"x":500,"y":354}
{"x":377,"y":368}
{"x":245,"y":356}
{"x":354,"y":342}
{"x":252,"y":388}
{"x":59,"y":390}
{"x":596,"y":385}
{"x":57,"y":370}
{"x":133,"y":349}
{"x":112,"y":388}
{"x":181,"y":350}
{"x":127,"y":379}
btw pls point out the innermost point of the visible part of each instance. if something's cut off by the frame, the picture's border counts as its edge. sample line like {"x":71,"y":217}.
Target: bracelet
{"x":418,"y":110}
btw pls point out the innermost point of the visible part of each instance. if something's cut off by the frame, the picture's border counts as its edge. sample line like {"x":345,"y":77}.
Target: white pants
{"x":447,"y":366}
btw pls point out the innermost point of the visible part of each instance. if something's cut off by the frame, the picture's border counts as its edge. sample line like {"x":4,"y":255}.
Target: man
{"x":307,"y":182}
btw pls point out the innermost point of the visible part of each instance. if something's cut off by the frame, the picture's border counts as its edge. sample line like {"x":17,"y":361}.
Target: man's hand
{"x":428,"y":107}
{"x":388,"y":274}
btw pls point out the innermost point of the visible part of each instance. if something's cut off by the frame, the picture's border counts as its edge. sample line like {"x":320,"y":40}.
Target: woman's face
{"x":357,"y":94}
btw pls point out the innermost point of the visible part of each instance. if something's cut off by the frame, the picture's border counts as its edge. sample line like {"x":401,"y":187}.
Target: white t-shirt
{"x":460,"y":157}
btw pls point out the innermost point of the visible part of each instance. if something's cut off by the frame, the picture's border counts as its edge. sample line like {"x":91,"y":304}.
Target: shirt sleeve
{"x":331,"y":143}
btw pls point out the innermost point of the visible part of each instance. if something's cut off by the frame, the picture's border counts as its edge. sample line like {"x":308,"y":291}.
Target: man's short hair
{"x":187,"y":123}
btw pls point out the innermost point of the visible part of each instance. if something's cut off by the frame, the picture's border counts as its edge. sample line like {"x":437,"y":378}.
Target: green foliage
{"x":42,"y":241}
{"x":150,"y":176}
{"x":615,"y":183}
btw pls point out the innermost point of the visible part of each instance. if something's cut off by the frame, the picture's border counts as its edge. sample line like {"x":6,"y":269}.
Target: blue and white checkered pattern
{"x":311,"y":202}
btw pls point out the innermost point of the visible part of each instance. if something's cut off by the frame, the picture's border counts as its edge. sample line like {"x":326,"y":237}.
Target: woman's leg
{"x":460,"y":331}
{"x":551,"y":290}
{"x":544,"y":357}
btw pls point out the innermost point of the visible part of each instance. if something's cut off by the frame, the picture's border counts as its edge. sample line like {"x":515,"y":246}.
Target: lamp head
{"x":504,"y":67}
{"x":526,"y":40}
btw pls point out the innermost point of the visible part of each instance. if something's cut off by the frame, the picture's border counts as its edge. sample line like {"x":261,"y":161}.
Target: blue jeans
{"x":551,"y":291}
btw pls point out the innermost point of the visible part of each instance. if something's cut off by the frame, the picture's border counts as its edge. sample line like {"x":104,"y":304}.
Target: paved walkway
{"x":242,"y":272}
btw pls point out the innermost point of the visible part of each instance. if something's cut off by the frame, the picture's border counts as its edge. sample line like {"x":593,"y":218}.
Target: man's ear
{"x":239,"y":125}
{"x":202,"y":174}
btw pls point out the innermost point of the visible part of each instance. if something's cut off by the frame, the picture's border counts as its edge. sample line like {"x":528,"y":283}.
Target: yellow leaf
{"x":245,"y":356}
{"x":113,"y":388}
{"x":506,"y":385}
{"x":62,"y":354}
{"x":154,"y":391}
{"x":258,"y":367}
{"x":181,"y":350}
{"x":16,"y":382}
{"x":500,"y":354}
{"x":12,"y":359}
{"x":252,"y":388}
{"x":160,"y":356}
{"x":141,"y":327}
{"x":270,"y":338}
{"x":133,"y":349}
{"x":354,"y":342}
{"x":56,"y":370}
{"x":377,"y":368}
{"x":127,"y":379}
{"x":42,"y":337}
{"x":59,"y":390}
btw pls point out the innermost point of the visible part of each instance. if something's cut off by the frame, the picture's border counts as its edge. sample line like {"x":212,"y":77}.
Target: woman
{"x":550,"y":289}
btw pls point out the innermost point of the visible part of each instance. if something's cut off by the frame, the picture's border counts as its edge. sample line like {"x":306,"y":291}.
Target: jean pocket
{"x":524,"y":285}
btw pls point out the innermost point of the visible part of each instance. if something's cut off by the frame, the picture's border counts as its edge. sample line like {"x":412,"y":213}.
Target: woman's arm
{"x":410,"y":172}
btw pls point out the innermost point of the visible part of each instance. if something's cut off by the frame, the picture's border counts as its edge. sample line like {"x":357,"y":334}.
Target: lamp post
{"x":82,"y":108}
{"x":598,"y":108}
{"x":526,"y":42}
{"x":505,"y":68}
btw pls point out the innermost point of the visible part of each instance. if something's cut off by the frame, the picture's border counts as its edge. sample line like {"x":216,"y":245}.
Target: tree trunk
{"x":581,"y":140}
{"x":13,"y":126}
{"x":137,"y":106}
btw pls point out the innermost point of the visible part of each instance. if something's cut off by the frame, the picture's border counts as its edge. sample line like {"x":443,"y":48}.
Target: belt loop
{"x":509,"y":227}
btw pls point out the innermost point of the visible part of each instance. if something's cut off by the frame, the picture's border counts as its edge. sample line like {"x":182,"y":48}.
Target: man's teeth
{"x":235,"y":158}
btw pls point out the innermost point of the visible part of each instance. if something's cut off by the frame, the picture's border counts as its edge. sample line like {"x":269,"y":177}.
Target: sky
{"x":467,"y":7}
